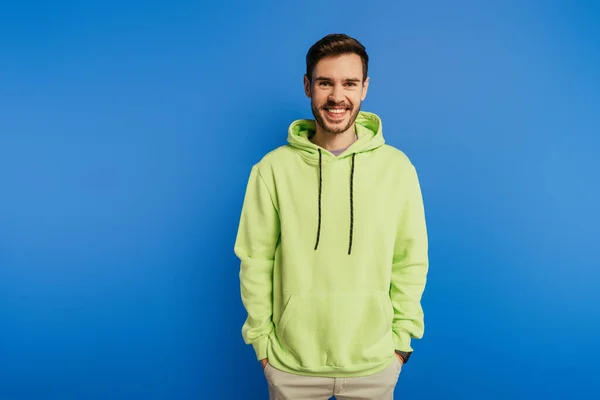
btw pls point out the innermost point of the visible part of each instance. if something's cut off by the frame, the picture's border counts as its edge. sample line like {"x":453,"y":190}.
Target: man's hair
{"x":333,"y":45}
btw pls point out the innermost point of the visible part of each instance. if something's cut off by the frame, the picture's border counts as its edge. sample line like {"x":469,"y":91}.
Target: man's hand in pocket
{"x":264,"y":363}
{"x":399,"y":357}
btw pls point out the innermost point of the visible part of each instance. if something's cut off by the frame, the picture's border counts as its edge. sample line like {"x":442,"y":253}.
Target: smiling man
{"x":333,"y":244}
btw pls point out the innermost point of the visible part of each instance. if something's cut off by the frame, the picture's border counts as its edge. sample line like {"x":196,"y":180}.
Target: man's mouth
{"x":336,"y":112}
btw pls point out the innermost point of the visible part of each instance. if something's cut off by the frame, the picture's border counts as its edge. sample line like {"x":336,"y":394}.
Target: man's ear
{"x":307,"y":91}
{"x":364,"y":89}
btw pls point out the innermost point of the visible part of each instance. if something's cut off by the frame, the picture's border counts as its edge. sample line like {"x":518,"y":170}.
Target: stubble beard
{"x":330,"y":128}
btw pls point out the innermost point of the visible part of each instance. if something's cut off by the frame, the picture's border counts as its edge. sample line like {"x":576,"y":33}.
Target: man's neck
{"x":333,"y":141}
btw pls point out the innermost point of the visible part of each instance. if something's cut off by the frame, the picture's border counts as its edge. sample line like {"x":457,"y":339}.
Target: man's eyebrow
{"x":324,"y":78}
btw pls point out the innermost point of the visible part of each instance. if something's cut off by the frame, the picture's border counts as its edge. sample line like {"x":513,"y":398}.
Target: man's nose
{"x":337,"y":94}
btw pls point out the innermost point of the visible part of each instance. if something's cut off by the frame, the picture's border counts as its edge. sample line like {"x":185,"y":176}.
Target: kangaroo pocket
{"x":336,"y":330}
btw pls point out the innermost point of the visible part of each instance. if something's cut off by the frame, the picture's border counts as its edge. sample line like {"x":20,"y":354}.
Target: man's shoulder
{"x":275,"y":157}
{"x":395,"y":155}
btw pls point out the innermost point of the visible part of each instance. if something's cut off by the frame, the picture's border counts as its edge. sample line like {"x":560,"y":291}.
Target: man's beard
{"x":336,"y":129}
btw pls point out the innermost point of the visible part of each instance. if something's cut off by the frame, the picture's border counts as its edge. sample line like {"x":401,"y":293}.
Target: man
{"x":333,"y":244}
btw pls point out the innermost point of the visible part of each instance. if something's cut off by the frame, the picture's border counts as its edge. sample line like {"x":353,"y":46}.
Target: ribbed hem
{"x":352,"y":371}
{"x":260,"y":347}
{"x":280,"y":360}
{"x":402,"y":341}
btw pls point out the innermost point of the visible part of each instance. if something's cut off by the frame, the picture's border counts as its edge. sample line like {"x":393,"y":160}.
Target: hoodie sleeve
{"x":257,"y":238}
{"x":410,"y":264}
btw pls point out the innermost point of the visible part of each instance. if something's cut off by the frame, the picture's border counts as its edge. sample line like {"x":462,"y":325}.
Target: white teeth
{"x":337,"y":111}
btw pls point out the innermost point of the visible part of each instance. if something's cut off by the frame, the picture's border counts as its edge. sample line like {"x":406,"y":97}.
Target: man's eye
{"x":324,"y":84}
{"x":351,"y":84}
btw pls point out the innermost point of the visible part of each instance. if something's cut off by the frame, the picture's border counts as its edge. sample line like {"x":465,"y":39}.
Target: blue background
{"x":127,"y":133}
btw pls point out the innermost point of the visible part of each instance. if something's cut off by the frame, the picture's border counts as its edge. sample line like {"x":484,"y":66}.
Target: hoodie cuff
{"x":402,"y":341}
{"x":260,"y":347}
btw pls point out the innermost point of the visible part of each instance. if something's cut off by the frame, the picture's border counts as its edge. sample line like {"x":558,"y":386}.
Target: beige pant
{"x":379,"y":386}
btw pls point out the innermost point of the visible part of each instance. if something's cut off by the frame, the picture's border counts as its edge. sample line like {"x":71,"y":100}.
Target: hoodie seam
{"x":267,"y":187}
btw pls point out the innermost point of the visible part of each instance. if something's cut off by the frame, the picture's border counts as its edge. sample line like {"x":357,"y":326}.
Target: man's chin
{"x":334,"y":125}
{"x":334,"y":129}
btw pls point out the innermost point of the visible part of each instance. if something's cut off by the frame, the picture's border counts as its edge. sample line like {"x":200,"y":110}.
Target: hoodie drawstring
{"x":320,"y":190}
{"x":351,"y":201}
{"x":351,"y":204}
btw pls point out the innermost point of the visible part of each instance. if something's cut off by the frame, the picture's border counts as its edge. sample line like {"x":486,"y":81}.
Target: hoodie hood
{"x":367,"y":127}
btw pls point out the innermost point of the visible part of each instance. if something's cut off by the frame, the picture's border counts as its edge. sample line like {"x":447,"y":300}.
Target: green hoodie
{"x":334,"y":254}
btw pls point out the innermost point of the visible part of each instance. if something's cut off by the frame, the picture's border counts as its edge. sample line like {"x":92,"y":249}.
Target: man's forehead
{"x":344,"y":66}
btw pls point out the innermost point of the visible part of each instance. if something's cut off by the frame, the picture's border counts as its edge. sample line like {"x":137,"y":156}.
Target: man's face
{"x":336,"y":91}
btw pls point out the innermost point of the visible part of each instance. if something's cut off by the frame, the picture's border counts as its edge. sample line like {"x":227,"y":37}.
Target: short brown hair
{"x":333,"y":45}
